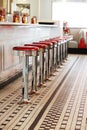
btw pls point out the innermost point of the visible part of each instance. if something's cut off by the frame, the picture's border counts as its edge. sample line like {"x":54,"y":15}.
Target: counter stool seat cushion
{"x":46,"y":43}
{"x":25,"y":48}
{"x":37,"y":45}
{"x":53,"y":41}
{"x":57,"y":40}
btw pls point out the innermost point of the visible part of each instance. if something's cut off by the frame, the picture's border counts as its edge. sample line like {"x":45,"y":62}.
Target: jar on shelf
{"x":34,"y":20}
{"x":25,"y":18}
{"x":2,"y":14}
{"x":16,"y":17}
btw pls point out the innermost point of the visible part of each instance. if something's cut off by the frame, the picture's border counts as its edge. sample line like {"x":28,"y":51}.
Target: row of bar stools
{"x":25,"y":52}
{"x":52,"y":52}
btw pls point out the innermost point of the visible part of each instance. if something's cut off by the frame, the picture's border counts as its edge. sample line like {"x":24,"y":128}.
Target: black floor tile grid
{"x":73,"y":97}
{"x":15,"y":112}
{"x":51,"y":116}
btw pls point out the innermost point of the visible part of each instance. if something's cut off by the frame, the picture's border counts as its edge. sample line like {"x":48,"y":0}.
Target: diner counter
{"x":12,"y":34}
{"x":50,"y":24}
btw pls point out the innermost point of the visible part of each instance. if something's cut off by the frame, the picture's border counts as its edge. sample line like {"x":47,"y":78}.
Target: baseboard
{"x":77,"y":50}
{"x":13,"y":78}
{"x":9,"y":80}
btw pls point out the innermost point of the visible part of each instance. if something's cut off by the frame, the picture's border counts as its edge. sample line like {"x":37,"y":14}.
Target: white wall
{"x":45,"y":10}
{"x":34,"y":7}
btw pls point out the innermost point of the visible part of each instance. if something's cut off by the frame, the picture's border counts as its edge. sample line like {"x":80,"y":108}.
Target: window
{"x":75,"y":13}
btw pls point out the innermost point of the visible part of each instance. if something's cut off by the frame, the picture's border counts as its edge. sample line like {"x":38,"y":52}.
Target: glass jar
{"x":16,"y":17}
{"x":34,"y":20}
{"x":2,"y":14}
{"x":25,"y":18}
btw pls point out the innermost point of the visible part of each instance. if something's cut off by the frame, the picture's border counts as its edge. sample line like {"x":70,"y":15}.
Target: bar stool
{"x":50,"y":55}
{"x":63,"y":48}
{"x":58,"y":51}
{"x":60,"y":48}
{"x":43,"y":49}
{"x":25,"y":52}
{"x":47,"y":58}
{"x":66,"y":47}
{"x":54,"y":52}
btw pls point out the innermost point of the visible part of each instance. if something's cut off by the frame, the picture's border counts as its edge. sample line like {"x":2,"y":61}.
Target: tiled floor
{"x":62,"y":105}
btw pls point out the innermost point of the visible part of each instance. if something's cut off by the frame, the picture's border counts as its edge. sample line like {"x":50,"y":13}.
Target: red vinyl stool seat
{"x":43,"y":50}
{"x":25,"y":52}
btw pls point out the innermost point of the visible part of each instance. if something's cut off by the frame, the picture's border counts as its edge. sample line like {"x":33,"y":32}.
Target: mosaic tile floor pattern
{"x":62,"y":105}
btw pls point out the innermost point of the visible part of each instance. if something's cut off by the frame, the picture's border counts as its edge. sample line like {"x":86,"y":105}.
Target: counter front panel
{"x":19,"y":34}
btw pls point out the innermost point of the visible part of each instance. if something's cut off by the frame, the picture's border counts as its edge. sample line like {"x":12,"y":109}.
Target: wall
{"x":4,"y":3}
{"x":1,"y":3}
{"x":45,"y":10}
{"x":34,"y":7}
